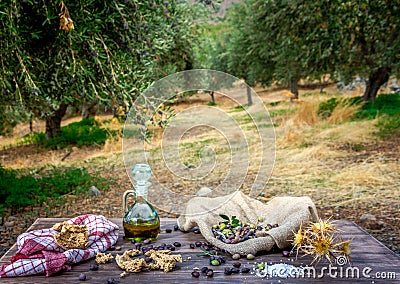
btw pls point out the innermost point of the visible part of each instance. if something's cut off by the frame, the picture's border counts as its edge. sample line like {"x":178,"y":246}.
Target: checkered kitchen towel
{"x":38,"y":252}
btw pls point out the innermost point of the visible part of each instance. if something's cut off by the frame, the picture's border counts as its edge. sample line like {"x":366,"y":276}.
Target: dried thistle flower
{"x":320,"y":240}
{"x":323,"y":226}
{"x":322,"y":247}
{"x":346,"y":247}
{"x":298,"y":240}
{"x":343,"y":248}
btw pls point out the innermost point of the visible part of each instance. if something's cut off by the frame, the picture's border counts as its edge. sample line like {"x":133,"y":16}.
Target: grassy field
{"x":339,"y":160}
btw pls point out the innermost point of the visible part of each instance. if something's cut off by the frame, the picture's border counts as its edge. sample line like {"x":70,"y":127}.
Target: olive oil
{"x":140,"y":232}
{"x":141,"y":220}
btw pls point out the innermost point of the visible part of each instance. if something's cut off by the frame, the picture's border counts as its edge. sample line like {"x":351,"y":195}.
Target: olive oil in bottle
{"x":141,"y":220}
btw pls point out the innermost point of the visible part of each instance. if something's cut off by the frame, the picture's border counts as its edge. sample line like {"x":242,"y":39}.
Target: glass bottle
{"x":141,"y":220}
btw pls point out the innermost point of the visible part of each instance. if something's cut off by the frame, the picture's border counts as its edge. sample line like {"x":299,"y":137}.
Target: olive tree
{"x":369,"y":40}
{"x":59,"y":53}
{"x":287,"y":40}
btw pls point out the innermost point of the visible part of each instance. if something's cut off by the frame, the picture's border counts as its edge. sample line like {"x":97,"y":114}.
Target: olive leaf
{"x":224,"y":217}
{"x":205,"y":253}
{"x":235,"y":221}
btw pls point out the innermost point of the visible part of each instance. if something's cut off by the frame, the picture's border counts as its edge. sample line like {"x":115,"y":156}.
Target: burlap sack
{"x":288,"y":212}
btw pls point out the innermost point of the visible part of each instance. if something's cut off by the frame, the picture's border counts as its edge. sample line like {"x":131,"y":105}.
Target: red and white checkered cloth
{"x":38,"y":252}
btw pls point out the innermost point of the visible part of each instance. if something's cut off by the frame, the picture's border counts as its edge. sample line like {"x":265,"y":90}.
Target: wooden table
{"x":367,"y":254}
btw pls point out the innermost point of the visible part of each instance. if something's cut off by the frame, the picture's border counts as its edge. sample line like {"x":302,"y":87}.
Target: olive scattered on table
{"x":82,"y":277}
{"x":215,"y":262}
{"x":236,"y":264}
{"x":111,"y":280}
{"x":236,"y":256}
{"x":94,"y":267}
{"x":195,"y":274}
{"x":227,"y":271}
{"x":250,"y":256}
{"x":210,"y":273}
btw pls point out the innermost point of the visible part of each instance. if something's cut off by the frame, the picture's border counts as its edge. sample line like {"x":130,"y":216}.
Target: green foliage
{"x":388,"y":125}
{"x":388,"y":104}
{"x":282,"y":111}
{"x":357,"y":147}
{"x":385,"y":104}
{"x":233,"y":221}
{"x":82,"y":133}
{"x":207,"y":50}
{"x":11,"y":117}
{"x":63,"y":181}
{"x":274,"y":103}
{"x":16,"y":192}
{"x":238,"y":108}
{"x":326,"y":108}
{"x":284,"y":40}
{"x":117,"y":49}
{"x":19,"y":190}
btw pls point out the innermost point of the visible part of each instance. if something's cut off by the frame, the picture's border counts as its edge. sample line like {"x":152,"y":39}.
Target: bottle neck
{"x":142,"y":191}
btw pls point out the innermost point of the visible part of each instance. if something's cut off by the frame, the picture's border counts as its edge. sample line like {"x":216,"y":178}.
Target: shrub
{"x":16,"y":191}
{"x":19,"y":190}
{"x":384,"y":104}
{"x":83,"y":133}
{"x":326,"y":108}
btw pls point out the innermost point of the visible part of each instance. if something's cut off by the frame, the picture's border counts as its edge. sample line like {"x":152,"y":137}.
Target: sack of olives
{"x":243,"y":225}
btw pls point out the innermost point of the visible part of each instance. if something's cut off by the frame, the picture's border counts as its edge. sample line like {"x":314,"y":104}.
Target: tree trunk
{"x":375,"y":80}
{"x":53,"y":122}
{"x":212,"y":97}
{"x":294,"y":88}
{"x":249,"y":99}
{"x":30,"y":123}
{"x":89,"y":109}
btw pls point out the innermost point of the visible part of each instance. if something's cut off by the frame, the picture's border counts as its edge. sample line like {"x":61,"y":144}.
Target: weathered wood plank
{"x":367,"y":252}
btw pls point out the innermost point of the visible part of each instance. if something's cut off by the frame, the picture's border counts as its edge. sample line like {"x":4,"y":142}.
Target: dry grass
{"x":365,"y":174}
{"x":313,"y":159}
{"x":307,"y":114}
{"x":312,"y":153}
{"x":348,"y":133}
{"x":310,"y":160}
{"x":343,"y":112}
{"x":113,"y":145}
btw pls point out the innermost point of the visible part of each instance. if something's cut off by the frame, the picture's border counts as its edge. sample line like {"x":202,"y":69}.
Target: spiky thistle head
{"x":323,"y":227}
{"x":343,"y":248}
{"x":320,"y":240}
{"x":322,"y":247}
{"x":298,"y":238}
{"x":346,"y":249}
